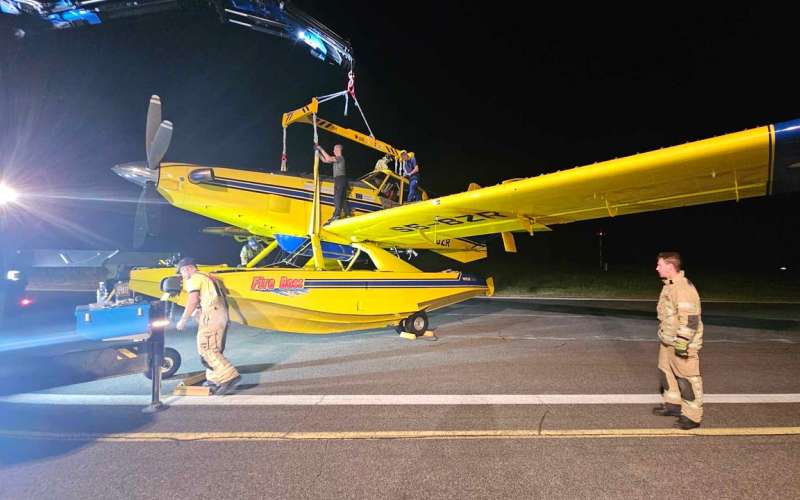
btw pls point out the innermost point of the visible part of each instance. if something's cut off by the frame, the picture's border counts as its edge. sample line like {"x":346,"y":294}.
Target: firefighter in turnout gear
{"x":207,"y":300}
{"x":681,"y":335}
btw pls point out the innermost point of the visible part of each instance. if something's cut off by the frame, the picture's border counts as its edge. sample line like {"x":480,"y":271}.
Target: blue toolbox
{"x":108,"y":322}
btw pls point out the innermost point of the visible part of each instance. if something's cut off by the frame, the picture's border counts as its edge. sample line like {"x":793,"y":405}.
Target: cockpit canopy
{"x":392,"y":189}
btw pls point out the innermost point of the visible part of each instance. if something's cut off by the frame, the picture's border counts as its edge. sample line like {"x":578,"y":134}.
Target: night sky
{"x":479,"y":91}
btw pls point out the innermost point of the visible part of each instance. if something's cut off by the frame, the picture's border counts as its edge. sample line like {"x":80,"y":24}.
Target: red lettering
{"x":258,"y":283}
{"x":292,"y":282}
{"x":261,"y":283}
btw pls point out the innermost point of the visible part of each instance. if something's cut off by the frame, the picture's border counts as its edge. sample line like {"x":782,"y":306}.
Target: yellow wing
{"x":740,"y":165}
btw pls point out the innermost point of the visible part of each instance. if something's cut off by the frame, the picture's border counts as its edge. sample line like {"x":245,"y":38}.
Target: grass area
{"x":637,"y":283}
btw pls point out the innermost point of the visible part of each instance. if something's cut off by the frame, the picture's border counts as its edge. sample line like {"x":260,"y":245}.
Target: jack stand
{"x":190,"y":386}
{"x":156,"y":359}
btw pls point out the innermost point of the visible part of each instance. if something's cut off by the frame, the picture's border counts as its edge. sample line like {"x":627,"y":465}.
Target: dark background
{"x":480,"y":91}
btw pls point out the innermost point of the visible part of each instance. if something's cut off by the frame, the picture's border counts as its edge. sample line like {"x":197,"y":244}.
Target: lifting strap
{"x":284,"y":158}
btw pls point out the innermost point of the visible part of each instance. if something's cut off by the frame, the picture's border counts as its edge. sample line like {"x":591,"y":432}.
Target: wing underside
{"x":729,"y":167}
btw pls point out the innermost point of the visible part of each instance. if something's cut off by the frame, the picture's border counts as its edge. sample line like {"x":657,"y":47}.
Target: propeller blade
{"x":154,"y":205}
{"x":147,"y":221}
{"x":160,"y":144}
{"x":140,"y":228}
{"x":153,"y":121}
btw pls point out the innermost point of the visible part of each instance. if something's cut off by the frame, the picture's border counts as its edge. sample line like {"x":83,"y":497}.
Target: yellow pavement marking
{"x":376,"y":435}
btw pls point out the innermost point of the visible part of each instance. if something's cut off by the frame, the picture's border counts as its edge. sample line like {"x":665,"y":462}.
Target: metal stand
{"x":156,"y":343}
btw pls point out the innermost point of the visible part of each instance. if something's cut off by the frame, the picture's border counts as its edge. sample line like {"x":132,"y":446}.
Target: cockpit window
{"x":374,"y":179}
{"x":390,"y":194}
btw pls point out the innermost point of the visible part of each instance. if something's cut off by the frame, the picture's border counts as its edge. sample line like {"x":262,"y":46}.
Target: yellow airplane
{"x":348,"y":276}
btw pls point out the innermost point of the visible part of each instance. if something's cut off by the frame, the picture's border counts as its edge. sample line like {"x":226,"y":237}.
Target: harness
{"x":217,"y":288}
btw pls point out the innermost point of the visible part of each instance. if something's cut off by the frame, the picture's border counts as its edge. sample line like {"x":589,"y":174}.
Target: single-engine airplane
{"x":323,"y":287}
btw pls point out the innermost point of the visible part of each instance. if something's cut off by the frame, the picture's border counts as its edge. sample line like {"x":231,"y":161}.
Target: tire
{"x":170,"y":364}
{"x":400,"y":327}
{"x":417,"y":323}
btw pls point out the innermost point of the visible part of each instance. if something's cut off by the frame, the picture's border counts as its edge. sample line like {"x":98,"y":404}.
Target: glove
{"x":681,"y":348}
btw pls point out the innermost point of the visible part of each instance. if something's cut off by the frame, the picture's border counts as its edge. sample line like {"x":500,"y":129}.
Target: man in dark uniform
{"x":411,"y":170}
{"x":339,"y":181}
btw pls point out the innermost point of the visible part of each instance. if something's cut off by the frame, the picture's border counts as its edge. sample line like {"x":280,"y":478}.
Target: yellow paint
{"x":255,"y":206}
{"x":192,"y":390}
{"x":197,"y":378}
{"x":728,"y":167}
{"x":722,"y":168}
{"x":302,"y":309}
{"x":126,"y":353}
{"x":509,"y":245}
{"x":308,"y":113}
{"x":263,"y":254}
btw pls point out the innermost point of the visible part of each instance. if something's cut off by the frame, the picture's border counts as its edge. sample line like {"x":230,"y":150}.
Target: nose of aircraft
{"x":136,"y":172}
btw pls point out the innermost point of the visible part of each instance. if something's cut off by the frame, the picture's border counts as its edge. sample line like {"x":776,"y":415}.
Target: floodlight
{"x":7,"y":194}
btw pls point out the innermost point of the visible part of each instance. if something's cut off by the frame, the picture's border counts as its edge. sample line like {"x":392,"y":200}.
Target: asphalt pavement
{"x":512,"y":398}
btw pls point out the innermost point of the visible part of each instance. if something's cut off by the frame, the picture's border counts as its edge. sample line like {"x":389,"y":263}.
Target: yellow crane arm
{"x":306,"y":114}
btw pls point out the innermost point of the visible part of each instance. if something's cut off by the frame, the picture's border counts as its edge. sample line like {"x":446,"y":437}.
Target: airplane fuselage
{"x":309,"y":301}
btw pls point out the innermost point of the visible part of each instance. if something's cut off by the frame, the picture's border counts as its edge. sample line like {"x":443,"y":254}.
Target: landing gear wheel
{"x":417,"y":323}
{"x":170,"y":364}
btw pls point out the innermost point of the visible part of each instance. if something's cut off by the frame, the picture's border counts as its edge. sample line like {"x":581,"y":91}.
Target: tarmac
{"x":512,"y":398}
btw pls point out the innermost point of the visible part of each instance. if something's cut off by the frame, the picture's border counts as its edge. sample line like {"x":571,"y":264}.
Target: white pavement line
{"x":388,"y":399}
{"x":140,"y":437}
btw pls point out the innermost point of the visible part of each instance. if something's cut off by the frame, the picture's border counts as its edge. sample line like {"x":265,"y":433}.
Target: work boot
{"x":228,"y":386}
{"x":686,"y":423}
{"x":667,"y":410}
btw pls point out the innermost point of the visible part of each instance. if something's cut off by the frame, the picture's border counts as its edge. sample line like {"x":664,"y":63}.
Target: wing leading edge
{"x":734,"y":166}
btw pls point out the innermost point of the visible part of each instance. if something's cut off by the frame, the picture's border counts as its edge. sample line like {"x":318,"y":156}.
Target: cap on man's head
{"x":186,"y":261}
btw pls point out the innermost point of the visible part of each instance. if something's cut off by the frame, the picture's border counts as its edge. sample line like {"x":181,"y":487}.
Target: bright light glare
{"x":783,"y":268}
{"x":25,"y":302}
{"x":161,"y":323}
{"x":7,"y":195}
{"x":12,"y":275}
